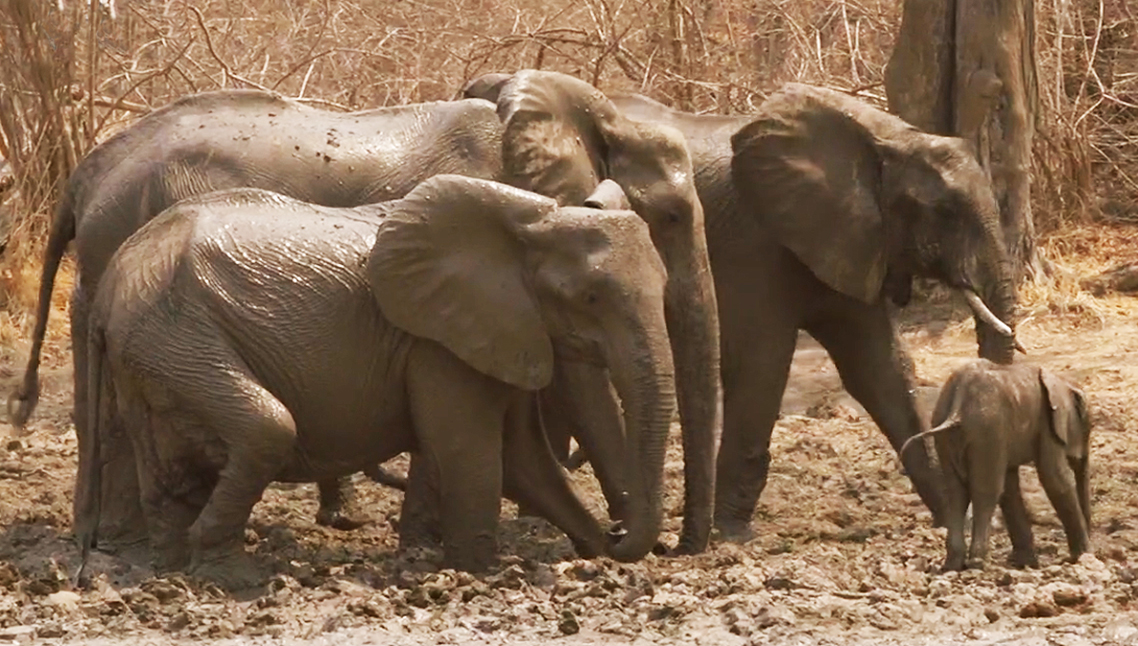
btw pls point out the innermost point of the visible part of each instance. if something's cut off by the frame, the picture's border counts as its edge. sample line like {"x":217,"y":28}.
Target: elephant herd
{"x":271,"y":292}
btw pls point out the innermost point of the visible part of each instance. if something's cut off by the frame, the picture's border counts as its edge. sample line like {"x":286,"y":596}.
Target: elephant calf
{"x":235,"y":354}
{"x":988,"y":421}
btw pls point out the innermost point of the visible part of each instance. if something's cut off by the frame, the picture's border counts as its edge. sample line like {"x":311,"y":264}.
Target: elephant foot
{"x":976,"y":563}
{"x":734,"y":531}
{"x":952,"y":563}
{"x":1021,"y":560}
{"x":336,"y":519}
{"x":232,"y":569}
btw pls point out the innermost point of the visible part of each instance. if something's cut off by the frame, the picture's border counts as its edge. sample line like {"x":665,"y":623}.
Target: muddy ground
{"x":844,"y":551}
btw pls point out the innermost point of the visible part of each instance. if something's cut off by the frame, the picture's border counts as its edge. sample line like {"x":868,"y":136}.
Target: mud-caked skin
{"x":233,"y":139}
{"x":818,"y":208}
{"x":551,"y":133}
{"x":234,"y":353}
{"x":991,"y":419}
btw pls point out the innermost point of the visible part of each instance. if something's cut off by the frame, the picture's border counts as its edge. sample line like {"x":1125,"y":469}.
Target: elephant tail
{"x":23,"y":401}
{"x":953,"y":422}
{"x":89,"y":479}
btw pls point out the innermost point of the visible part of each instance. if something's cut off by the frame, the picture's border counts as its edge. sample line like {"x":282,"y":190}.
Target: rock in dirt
{"x":64,"y":599}
{"x":1065,"y":594}
{"x":568,"y":624}
{"x":18,"y":633}
{"x":1038,"y":608}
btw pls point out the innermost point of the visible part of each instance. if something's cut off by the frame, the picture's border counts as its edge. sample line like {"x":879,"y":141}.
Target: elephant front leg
{"x":755,"y":368}
{"x":337,"y":505}
{"x":1059,"y":483}
{"x":464,"y":439}
{"x":1018,"y":522}
{"x":876,"y":371}
{"x":419,"y":524}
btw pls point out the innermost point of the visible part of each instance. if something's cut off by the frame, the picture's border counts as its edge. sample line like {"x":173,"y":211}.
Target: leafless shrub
{"x":59,"y":93}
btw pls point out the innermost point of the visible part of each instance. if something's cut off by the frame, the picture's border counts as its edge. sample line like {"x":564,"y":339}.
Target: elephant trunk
{"x":997,"y":292}
{"x":692,"y":316}
{"x":645,"y":384}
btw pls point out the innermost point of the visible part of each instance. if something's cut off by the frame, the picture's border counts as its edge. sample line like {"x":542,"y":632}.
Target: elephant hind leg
{"x":259,"y":435}
{"x":337,"y":504}
{"x":875,"y":370}
{"x":533,"y":478}
{"x":1018,"y":522}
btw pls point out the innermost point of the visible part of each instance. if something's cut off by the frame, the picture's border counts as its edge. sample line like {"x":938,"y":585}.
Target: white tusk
{"x":984,"y":314}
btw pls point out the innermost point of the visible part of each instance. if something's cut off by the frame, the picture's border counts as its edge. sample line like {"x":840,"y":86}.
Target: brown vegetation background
{"x":74,"y":71}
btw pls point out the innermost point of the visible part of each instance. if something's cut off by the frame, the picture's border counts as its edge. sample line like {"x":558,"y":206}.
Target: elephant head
{"x":562,"y":137}
{"x":500,"y":276}
{"x":867,"y":202}
{"x":1071,"y":424}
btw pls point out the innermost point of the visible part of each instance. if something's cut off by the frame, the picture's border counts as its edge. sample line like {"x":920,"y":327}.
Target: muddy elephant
{"x":818,"y":209}
{"x":989,"y":420}
{"x":235,"y":354}
{"x":552,"y":134}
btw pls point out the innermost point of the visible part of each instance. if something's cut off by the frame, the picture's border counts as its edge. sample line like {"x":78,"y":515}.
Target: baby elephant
{"x":989,"y":420}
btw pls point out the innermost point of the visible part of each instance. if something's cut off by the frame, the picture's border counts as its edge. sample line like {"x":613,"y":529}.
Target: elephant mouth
{"x":983,"y":313}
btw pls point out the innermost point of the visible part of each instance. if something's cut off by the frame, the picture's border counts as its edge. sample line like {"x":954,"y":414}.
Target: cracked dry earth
{"x":844,"y":551}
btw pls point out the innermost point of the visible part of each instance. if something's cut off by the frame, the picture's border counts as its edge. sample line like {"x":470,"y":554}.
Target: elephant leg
{"x":874,"y":369}
{"x":753,"y":383}
{"x":260,"y":435}
{"x":464,"y":438}
{"x":1018,"y":522}
{"x":533,"y":478}
{"x":1058,"y":482}
{"x":419,"y":515}
{"x":122,"y":525}
{"x":986,"y":488}
{"x":1081,"y":468}
{"x":337,"y":498}
{"x":956,"y":508}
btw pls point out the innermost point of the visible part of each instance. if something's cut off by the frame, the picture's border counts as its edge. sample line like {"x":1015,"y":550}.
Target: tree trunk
{"x":967,"y":68}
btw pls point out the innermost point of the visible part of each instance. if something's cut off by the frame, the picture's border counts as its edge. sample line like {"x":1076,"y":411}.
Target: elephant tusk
{"x":1019,"y":346}
{"x":984,"y":314}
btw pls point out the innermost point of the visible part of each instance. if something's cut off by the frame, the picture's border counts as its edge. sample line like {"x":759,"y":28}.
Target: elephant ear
{"x":608,"y":196}
{"x":448,"y":265}
{"x":813,"y":172}
{"x":554,"y":142}
{"x":1068,"y":409}
{"x":487,"y":86}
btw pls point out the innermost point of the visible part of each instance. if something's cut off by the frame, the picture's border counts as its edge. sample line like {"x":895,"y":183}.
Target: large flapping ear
{"x":1068,"y":409}
{"x":554,"y":142}
{"x":448,"y":265}
{"x":487,"y":86}
{"x":812,"y":171}
{"x":608,"y":196}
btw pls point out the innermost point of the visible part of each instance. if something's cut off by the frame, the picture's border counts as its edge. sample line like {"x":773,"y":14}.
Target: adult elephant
{"x":236,"y":353}
{"x":550,"y":133}
{"x":233,"y":139}
{"x":818,"y":209}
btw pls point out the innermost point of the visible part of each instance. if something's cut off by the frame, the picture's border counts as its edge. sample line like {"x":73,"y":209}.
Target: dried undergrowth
{"x":59,"y":95}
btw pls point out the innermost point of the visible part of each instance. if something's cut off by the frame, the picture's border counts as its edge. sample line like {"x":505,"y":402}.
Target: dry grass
{"x":59,"y":94}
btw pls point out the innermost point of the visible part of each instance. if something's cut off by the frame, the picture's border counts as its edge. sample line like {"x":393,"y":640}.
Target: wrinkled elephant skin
{"x":234,"y":354}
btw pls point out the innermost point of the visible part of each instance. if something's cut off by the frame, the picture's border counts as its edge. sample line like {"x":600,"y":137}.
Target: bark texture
{"x":967,"y":68}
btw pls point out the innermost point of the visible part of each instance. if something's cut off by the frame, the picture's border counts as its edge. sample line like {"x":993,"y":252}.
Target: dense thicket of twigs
{"x":73,"y":71}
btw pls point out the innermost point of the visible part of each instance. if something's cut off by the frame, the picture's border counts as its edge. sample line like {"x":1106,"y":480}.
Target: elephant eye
{"x":591,"y":298}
